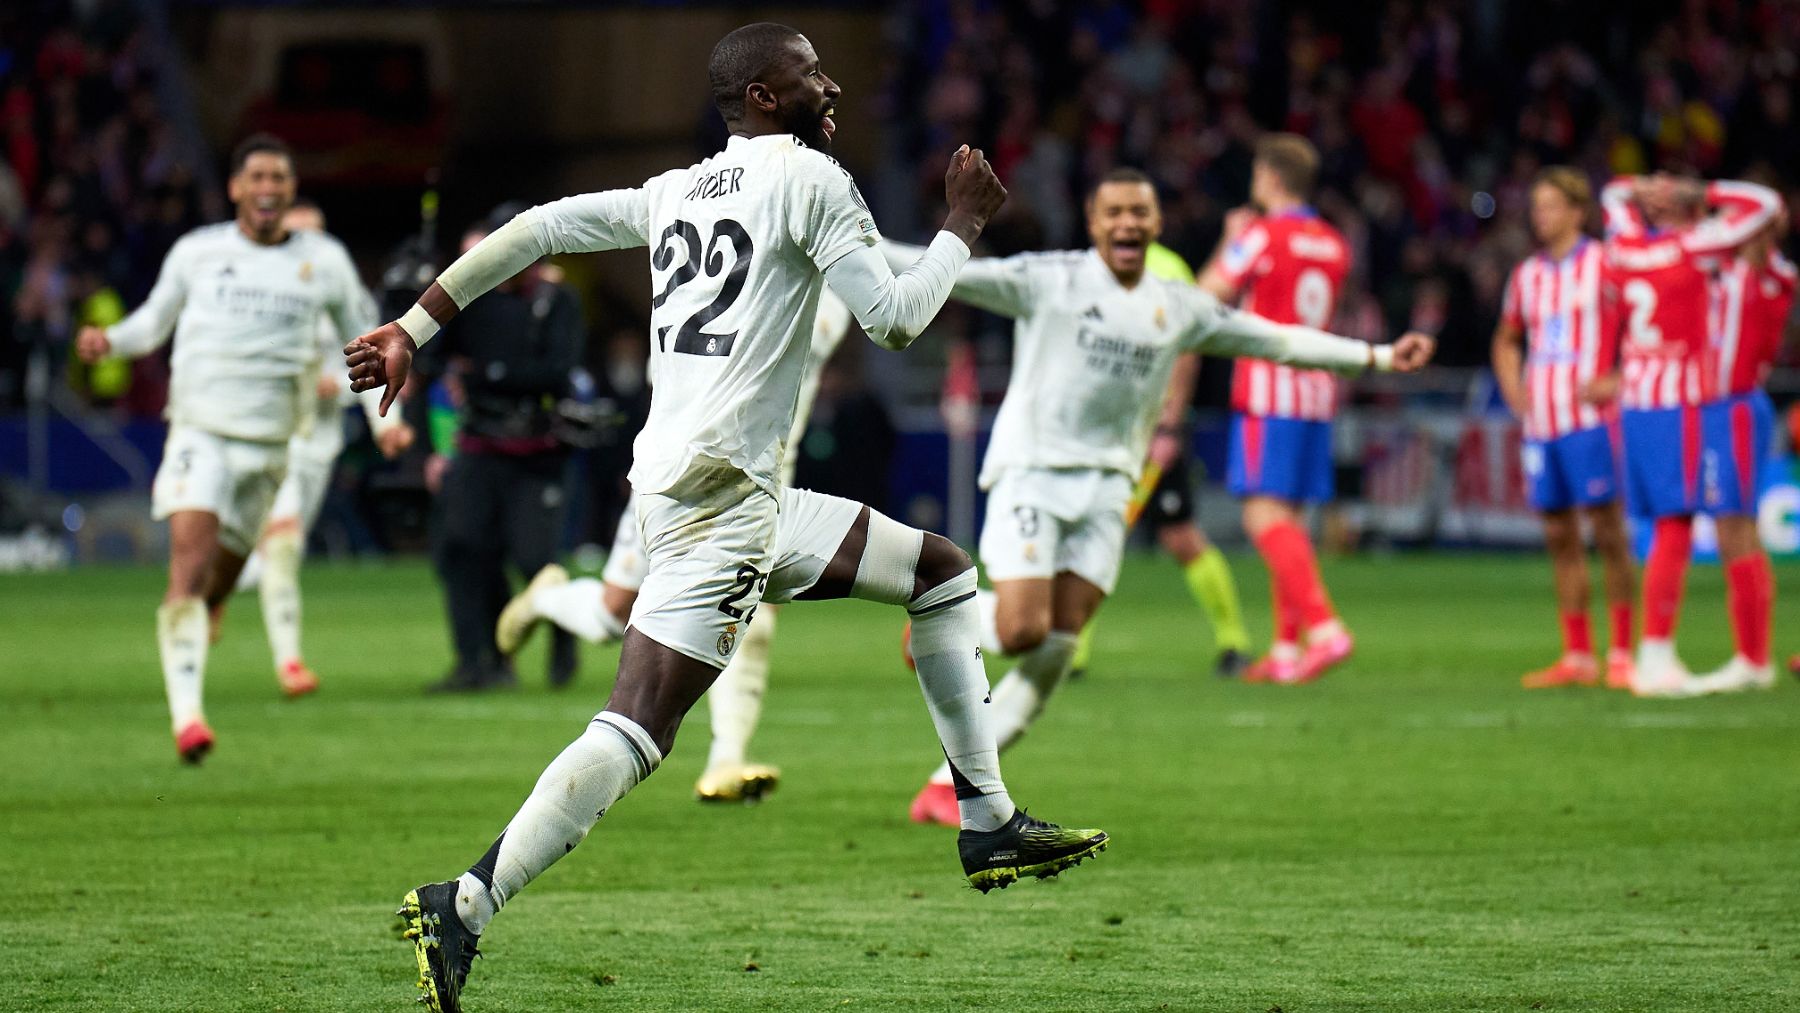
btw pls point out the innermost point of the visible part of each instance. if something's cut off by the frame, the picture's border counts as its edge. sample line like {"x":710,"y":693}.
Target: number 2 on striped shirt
{"x":1640,"y":295}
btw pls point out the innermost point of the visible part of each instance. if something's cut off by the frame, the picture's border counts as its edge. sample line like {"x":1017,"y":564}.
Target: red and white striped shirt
{"x":1660,"y":280}
{"x":1289,"y":268}
{"x":1570,"y":335}
{"x":1750,"y":308}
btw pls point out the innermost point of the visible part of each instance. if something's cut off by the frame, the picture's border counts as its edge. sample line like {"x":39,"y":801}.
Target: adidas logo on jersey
{"x":1093,"y":313}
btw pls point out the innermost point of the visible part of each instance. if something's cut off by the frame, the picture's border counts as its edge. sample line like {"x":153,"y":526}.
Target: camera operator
{"x":503,"y":365}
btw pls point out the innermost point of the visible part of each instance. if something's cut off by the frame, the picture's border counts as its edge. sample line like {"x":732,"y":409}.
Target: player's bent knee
{"x":940,"y":559}
{"x":1023,"y":638}
{"x":892,"y":558}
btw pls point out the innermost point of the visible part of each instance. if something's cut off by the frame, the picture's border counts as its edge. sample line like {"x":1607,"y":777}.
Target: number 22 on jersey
{"x":716,"y":266}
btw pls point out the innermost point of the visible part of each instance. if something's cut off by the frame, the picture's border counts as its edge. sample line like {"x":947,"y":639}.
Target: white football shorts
{"x":1046,"y":521}
{"x":234,"y":480}
{"x":711,"y":563}
{"x":311,"y":459}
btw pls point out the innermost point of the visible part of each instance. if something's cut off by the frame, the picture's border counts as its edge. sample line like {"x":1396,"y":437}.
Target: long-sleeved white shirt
{"x":245,"y":319}
{"x":321,"y":437}
{"x":1091,"y":358}
{"x":829,"y":328}
{"x":741,"y":245}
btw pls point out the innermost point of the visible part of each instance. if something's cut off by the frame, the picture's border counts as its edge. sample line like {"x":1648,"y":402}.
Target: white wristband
{"x":1382,"y":359}
{"x":418,"y":324}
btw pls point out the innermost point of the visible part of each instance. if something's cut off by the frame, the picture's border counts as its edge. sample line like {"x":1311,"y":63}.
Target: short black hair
{"x":256,"y":143}
{"x":739,"y":59}
{"x":1121,"y":174}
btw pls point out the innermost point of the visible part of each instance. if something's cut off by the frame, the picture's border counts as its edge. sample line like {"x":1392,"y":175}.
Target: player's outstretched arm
{"x":611,"y":220}
{"x":998,"y":285}
{"x":894,"y":309}
{"x":1236,"y":333}
{"x":148,"y":326}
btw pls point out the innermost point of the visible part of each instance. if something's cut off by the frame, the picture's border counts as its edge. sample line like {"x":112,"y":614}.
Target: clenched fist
{"x":973,"y":192}
{"x":1413,"y":351}
{"x":92,"y":345}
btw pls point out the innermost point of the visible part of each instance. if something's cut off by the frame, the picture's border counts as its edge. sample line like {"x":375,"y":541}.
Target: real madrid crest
{"x":306,"y":270}
{"x":727,"y":640}
{"x":1162,"y":319}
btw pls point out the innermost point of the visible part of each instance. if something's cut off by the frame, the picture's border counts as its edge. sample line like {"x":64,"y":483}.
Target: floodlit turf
{"x":1413,"y":833}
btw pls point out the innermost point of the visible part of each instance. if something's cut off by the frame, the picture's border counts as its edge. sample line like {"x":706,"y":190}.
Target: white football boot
{"x":1737,"y":676}
{"x":520,"y":616}
{"x":1660,"y":674}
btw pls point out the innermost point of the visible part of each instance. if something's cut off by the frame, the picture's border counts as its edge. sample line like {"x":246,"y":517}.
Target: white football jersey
{"x":245,"y":319}
{"x":829,"y":328}
{"x":1092,"y":358}
{"x":322,"y":436}
{"x":738,"y":246}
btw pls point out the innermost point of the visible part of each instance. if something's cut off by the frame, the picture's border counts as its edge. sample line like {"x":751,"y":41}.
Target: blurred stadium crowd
{"x":94,"y":188}
{"x":1432,"y":118}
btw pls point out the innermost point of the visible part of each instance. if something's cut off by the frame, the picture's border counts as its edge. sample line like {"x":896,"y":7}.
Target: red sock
{"x":1621,"y":627}
{"x":1287,"y":618}
{"x":1750,"y":595}
{"x":1577,"y":639}
{"x":1289,"y":555}
{"x":1665,"y":574}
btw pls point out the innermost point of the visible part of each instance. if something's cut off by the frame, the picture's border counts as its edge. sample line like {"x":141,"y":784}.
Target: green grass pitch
{"x":1413,"y":833}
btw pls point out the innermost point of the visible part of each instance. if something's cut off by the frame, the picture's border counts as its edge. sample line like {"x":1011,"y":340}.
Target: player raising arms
{"x":1753,"y":295}
{"x":243,"y":300}
{"x":1164,"y":500}
{"x":1287,"y":264}
{"x":599,"y":610}
{"x":741,"y":246}
{"x":1554,"y":352}
{"x":1663,"y":235}
{"x":1096,"y":339}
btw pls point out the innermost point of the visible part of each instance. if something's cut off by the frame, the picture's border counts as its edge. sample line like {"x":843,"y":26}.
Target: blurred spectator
{"x":91,"y":180}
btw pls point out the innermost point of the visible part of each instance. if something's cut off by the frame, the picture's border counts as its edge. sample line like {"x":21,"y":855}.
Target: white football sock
{"x":736,"y":697}
{"x":580,"y":607}
{"x":1019,"y":697}
{"x":946,"y":629}
{"x":988,"y":605}
{"x":181,"y":638}
{"x":280,"y":595}
{"x":1656,"y":653}
{"x":593,"y":772}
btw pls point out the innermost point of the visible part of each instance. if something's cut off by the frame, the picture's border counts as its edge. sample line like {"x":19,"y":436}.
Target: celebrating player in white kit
{"x":274,"y":569}
{"x":243,"y":299}
{"x":1096,"y":340}
{"x":599,"y":610}
{"x":741,"y":246}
